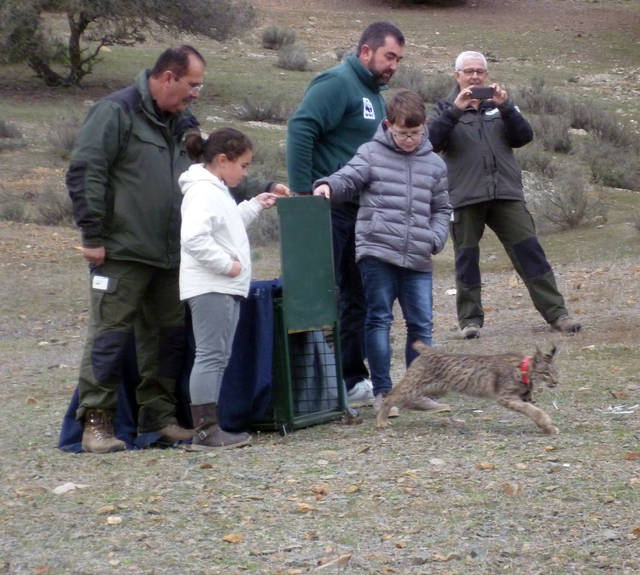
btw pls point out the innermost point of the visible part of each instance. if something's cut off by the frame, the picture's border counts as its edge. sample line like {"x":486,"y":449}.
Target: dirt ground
{"x":477,"y":491}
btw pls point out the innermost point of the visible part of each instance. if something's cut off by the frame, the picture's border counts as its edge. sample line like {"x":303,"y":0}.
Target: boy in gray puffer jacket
{"x":403,"y":219}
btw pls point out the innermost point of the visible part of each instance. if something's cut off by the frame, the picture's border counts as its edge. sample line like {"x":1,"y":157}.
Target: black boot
{"x":208,"y":434}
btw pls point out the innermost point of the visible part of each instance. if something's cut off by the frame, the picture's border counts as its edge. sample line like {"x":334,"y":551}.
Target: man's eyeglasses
{"x":193,"y":88}
{"x":472,"y":71}
{"x":404,"y":136}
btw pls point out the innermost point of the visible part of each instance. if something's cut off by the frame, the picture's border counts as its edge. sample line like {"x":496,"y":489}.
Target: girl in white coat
{"x":215,"y":267}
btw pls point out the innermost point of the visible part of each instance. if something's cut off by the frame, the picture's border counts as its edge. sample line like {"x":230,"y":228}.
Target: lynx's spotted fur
{"x":507,"y":377}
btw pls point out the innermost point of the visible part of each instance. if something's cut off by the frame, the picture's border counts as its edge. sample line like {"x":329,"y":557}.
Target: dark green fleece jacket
{"x":341,"y":110}
{"x":123,"y":177}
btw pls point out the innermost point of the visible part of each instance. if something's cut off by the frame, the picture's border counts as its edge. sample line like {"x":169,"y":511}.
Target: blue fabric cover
{"x":245,"y":395}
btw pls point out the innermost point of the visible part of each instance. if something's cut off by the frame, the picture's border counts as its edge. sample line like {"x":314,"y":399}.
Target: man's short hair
{"x":176,"y":60}
{"x":406,"y":107}
{"x":375,"y":35}
{"x":469,"y":55}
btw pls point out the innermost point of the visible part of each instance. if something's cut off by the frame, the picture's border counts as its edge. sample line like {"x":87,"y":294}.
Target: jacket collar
{"x":364,"y":75}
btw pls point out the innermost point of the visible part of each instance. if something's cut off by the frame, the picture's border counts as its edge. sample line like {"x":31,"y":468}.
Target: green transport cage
{"x":307,"y":386}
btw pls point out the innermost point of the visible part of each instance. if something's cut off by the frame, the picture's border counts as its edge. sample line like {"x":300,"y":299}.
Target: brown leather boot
{"x":174,"y":432}
{"x":208,"y":434}
{"x":98,"y":436}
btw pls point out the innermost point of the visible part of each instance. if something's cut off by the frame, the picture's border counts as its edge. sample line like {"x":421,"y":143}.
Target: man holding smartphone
{"x":476,"y":128}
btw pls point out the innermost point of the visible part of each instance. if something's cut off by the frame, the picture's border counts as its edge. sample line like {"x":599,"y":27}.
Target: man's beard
{"x":381,"y":78}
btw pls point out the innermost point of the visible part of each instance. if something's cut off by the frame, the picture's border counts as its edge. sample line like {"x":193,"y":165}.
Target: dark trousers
{"x":515,"y":228}
{"x":141,"y":299}
{"x":350,"y":293}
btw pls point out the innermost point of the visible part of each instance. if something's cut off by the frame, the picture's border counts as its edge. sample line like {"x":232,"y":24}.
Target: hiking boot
{"x":470,"y":331}
{"x":97,"y":436}
{"x":360,"y":394}
{"x":377,"y":404}
{"x":208,"y":434}
{"x":173,"y":433}
{"x":566,"y":324}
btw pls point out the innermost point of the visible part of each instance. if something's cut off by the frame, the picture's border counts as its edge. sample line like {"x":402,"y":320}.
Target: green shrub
{"x":9,"y":131}
{"x":292,"y":57}
{"x":552,"y":132}
{"x":10,"y":136}
{"x":569,"y":201}
{"x":342,"y":52}
{"x":63,"y":134}
{"x":615,"y":166}
{"x":534,"y":158}
{"x":12,"y":208}
{"x":599,"y":122}
{"x":431,"y":87}
{"x":274,"y":37}
{"x":536,"y":99}
{"x":264,"y":109}
{"x":54,"y":208}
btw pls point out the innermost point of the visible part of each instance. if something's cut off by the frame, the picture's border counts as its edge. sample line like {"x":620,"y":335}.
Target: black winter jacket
{"x":477,"y":146}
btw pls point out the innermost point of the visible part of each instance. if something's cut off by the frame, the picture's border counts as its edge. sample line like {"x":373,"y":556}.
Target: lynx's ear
{"x":549,"y":356}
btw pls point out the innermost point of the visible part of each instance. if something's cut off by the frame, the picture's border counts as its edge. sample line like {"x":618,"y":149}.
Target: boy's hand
{"x":323,"y":190}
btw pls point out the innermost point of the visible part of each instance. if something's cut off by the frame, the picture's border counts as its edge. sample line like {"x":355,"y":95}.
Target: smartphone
{"x":481,"y":93}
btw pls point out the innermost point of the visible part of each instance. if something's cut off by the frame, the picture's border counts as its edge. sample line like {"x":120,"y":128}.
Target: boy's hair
{"x":406,"y":107}
{"x":375,"y":35}
{"x":176,"y":60}
{"x":228,"y":141}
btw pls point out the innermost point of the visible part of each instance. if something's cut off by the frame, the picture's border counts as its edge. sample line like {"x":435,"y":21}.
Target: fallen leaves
{"x":632,"y":456}
{"x":232,"y":538}
{"x":485,"y":466}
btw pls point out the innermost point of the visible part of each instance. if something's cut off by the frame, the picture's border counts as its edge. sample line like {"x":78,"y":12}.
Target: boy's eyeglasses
{"x":404,"y":136}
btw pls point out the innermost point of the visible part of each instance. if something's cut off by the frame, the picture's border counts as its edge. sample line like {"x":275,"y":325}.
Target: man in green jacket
{"x":476,"y":134}
{"x":122,"y":180}
{"x":341,"y":110}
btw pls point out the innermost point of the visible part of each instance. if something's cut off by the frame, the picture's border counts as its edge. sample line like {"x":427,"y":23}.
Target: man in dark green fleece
{"x":341,"y":110}
{"x":123,"y":183}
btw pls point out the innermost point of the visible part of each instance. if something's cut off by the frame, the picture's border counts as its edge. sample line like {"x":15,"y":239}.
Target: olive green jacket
{"x":123,"y":177}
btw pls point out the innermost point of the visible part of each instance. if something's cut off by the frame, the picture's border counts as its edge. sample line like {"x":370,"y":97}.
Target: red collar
{"x":524,"y":369}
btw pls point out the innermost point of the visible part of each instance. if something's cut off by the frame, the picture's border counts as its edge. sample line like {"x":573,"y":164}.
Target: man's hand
{"x":94,"y":256}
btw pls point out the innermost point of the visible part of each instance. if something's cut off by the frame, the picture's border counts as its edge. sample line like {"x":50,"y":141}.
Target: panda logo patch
{"x":367,"y":109}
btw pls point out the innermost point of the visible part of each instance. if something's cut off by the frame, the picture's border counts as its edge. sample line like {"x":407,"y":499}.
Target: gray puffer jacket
{"x":404,"y":204}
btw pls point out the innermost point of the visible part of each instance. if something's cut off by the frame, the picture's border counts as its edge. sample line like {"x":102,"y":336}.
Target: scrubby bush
{"x":570,"y":201}
{"x":534,"y":158}
{"x":614,"y":166}
{"x":536,"y":99}
{"x":274,"y":37}
{"x":12,"y":208}
{"x":342,"y":52}
{"x":552,"y":132}
{"x":292,"y":57}
{"x":10,"y":136}
{"x":63,"y":134}
{"x":264,"y":109}
{"x":431,"y":87}
{"x":54,"y":208}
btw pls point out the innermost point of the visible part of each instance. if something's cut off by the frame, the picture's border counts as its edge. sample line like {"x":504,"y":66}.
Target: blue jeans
{"x":383,"y":284}
{"x":350,"y":294}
